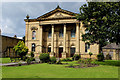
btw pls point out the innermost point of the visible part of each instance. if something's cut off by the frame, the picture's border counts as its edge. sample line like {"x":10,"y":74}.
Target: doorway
{"x":60,"y":52}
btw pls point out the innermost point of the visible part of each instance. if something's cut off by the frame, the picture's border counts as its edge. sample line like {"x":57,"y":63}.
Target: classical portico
{"x":58,"y":33}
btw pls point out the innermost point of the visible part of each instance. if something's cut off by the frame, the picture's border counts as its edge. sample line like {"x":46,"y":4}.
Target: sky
{"x":14,"y":13}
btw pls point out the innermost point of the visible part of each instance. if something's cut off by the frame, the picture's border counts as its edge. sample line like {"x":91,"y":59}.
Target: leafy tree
{"x":102,"y":22}
{"x":21,"y":49}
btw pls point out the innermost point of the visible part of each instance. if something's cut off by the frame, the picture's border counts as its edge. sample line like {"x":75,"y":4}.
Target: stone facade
{"x":7,"y":45}
{"x":113,"y":50}
{"x":59,"y":33}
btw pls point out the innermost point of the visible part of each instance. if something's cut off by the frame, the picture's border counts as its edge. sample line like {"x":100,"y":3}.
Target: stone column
{"x":114,"y":55}
{"x":64,"y":42}
{"x":41,"y":37}
{"x":52,"y":42}
{"x":77,"y":39}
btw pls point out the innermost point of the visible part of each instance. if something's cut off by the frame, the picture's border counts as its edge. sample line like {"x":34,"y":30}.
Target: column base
{"x":77,"y":53}
{"x":64,"y":55}
{"x":51,"y":54}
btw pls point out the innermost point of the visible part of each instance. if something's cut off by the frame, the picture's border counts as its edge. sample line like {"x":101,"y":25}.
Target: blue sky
{"x":14,"y":13}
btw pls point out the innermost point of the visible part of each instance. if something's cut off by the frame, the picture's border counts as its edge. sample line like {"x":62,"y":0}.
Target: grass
{"x":109,"y":62}
{"x":5,"y":60}
{"x":59,"y":71}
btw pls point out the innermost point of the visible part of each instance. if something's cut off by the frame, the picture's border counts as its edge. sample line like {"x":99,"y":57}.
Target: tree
{"x":21,"y":49}
{"x":102,"y":22}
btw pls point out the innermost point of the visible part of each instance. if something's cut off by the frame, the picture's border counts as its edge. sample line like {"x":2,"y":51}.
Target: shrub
{"x":28,"y":61}
{"x":32,"y":59}
{"x":100,"y":57}
{"x":44,"y":57}
{"x":53,"y":60}
{"x":108,"y":57}
{"x":24,"y":58}
{"x":58,"y":62}
{"x":66,"y":59}
{"x":76,"y":57}
{"x":32,"y":54}
{"x":21,"y":49}
{"x":85,"y":61}
{"x":90,"y":53}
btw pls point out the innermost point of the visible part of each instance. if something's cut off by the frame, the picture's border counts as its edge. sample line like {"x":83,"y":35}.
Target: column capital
{"x":52,"y":25}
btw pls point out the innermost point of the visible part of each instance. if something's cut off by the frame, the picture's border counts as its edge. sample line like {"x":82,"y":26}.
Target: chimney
{"x":15,"y":36}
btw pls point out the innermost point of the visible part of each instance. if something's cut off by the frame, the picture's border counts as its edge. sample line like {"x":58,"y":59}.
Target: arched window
{"x":49,"y":33}
{"x":73,"y":31}
{"x":87,"y":46}
{"x":34,"y":35}
{"x":33,"y":47}
{"x":61,"y":33}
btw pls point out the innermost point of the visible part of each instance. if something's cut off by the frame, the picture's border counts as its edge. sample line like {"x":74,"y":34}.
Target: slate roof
{"x":112,"y":46}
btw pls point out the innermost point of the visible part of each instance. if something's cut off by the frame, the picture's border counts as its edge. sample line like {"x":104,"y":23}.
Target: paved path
{"x":7,"y":64}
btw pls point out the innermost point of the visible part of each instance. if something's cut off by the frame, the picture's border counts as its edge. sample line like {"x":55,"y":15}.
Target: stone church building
{"x":58,"y":33}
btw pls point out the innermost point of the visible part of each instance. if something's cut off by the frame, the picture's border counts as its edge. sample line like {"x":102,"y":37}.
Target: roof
{"x":57,"y":9}
{"x":112,"y":46}
{"x":11,"y":37}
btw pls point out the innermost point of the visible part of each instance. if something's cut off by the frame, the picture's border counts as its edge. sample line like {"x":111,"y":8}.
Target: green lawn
{"x":59,"y":71}
{"x":5,"y":60}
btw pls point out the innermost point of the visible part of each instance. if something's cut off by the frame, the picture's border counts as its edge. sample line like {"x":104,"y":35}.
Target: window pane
{"x":33,"y":35}
{"x":73,"y":32}
{"x":61,"y":33}
{"x":49,"y":49}
{"x":33,"y":47}
{"x":49,"y":33}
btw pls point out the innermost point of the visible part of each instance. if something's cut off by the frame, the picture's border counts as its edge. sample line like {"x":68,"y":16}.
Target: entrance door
{"x":60,"y":52}
{"x":72,"y":52}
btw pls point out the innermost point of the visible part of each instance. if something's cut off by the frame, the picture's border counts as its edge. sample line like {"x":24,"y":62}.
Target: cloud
{"x":14,"y":13}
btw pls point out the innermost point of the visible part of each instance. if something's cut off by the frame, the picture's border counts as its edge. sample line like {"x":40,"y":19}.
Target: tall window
{"x":49,"y":49}
{"x":87,"y":46}
{"x":61,"y":33}
{"x":73,"y":32}
{"x":34,"y":35}
{"x":33,"y":47}
{"x":49,"y":33}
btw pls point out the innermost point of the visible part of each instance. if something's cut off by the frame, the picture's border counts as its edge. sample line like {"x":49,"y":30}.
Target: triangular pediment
{"x":57,"y":13}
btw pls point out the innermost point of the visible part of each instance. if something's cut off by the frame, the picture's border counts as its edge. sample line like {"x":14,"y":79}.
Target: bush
{"x":90,"y":53}
{"x":76,"y":57}
{"x":32,"y":59}
{"x":28,"y":61}
{"x":24,"y":58}
{"x":108,"y":57}
{"x":100,"y":57}
{"x":21,"y":49}
{"x":32,"y":54}
{"x":58,"y":62}
{"x":85,"y":61}
{"x":53,"y":60}
{"x":44,"y":57}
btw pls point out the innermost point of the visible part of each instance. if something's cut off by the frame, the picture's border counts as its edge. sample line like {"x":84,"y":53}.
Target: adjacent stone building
{"x":113,"y":50}
{"x":0,"y":44}
{"x":6,"y":45}
{"x":58,"y":33}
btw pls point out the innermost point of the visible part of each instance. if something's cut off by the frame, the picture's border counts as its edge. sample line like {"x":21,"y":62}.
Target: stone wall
{"x":7,"y":45}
